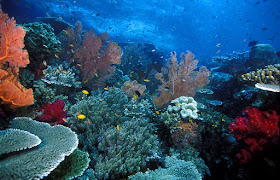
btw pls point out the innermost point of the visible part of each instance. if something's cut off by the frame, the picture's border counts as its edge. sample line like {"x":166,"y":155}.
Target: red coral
{"x":95,"y":59}
{"x":257,"y":129}
{"x":54,"y":112}
{"x":11,"y":52}
{"x":180,"y":79}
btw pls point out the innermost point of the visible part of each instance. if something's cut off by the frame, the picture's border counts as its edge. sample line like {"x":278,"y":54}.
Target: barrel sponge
{"x":187,"y":107}
{"x":15,"y":140}
{"x":57,"y":142}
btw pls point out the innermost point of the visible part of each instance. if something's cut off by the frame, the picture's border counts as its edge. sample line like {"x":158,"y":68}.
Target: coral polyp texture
{"x":36,"y":163}
{"x":186,"y":106}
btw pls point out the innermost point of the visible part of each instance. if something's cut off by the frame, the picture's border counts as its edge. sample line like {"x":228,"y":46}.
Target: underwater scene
{"x":139,"y":89}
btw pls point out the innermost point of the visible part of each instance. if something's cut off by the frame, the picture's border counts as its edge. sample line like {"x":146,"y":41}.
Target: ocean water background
{"x":171,"y":25}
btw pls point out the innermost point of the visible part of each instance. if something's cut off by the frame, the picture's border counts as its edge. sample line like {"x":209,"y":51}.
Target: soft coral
{"x":256,"y":129}
{"x":54,"y":113}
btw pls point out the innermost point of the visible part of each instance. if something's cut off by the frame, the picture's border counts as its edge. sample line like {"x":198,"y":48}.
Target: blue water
{"x":195,"y":25}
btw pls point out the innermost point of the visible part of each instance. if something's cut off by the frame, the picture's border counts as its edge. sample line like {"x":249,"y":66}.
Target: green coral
{"x":45,"y":94}
{"x":72,"y":167}
{"x":170,"y":120}
{"x":61,"y":75}
{"x":114,"y":152}
{"x":175,"y":169}
{"x":40,"y":41}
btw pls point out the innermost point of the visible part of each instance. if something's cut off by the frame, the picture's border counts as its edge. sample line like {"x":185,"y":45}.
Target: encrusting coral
{"x":11,"y":52}
{"x":180,"y":79}
{"x":36,"y":163}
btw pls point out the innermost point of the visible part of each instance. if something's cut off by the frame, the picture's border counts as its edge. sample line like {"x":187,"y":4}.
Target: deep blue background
{"x":195,"y":25}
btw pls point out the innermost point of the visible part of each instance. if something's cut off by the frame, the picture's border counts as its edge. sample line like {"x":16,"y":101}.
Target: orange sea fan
{"x":11,"y":42}
{"x":11,"y":51}
{"x":12,"y":92}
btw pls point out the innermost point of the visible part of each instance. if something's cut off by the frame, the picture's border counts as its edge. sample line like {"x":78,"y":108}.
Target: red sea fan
{"x":54,"y":113}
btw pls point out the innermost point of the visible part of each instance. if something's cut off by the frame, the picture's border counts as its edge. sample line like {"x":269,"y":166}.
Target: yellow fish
{"x":100,"y":99}
{"x":44,"y":72}
{"x":134,"y":96}
{"x":81,"y":116}
{"x":218,"y":45}
{"x":223,"y":120}
{"x":214,"y":125}
{"x":146,"y":80}
{"x":71,"y":45}
{"x":157,"y":112}
{"x":217,"y":51}
{"x":56,"y":56}
{"x":85,"y":91}
{"x":116,"y":115}
{"x":118,"y":127}
{"x":106,"y":88}
{"x":65,"y":120}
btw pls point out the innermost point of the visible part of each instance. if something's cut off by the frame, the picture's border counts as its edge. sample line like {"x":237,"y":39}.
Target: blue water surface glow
{"x":195,"y":25}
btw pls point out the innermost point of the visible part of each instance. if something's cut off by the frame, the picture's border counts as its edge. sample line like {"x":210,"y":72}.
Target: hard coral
{"x":256,"y":129}
{"x":54,"y":112}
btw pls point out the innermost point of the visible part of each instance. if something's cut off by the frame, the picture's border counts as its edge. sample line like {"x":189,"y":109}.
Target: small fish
{"x":57,"y":70}
{"x":53,"y":73}
{"x":134,"y":96}
{"x":65,"y":120}
{"x":85,"y":91}
{"x":214,"y":125}
{"x":116,"y":115}
{"x":153,"y":50}
{"x":119,"y":83}
{"x":217,"y":51}
{"x":137,"y":93}
{"x":64,"y":72}
{"x":96,"y":74}
{"x":60,"y":68}
{"x":45,"y":63}
{"x":88,"y":122}
{"x":147,"y":80}
{"x":223,"y":120}
{"x":81,"y":116}
{"x":71,"y":45}
{"x":157,"y":112}
{"x":101,"y":99}
{"x":218,"y":45}
{"x":190,"y":121}
{"x":56,"y":56}
{"x":44,"y":72}
{"x":118,"y":127}
{"x":244,"y":40}
{"x":106,"y":88}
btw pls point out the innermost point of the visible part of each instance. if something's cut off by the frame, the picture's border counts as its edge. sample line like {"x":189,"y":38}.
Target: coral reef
{"x":54,"y":113}
{"x":72,"y":167}
{"x":12,"y":57}
{"x":174,"y":169}
{"x":15,"y":140}
{"x":180,"y":79}
{"x":116,"y":133}
{"x":133,"y":88}
{"x":36,"y":163}
{"x":41,"y":42}
{"x":95,"y":60}
{"x":257,"y":129}
{"x":185,"y":105}
{"x":61,"y":75}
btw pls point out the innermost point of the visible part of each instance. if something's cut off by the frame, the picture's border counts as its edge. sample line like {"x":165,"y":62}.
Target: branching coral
{"x":180,"y":79}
